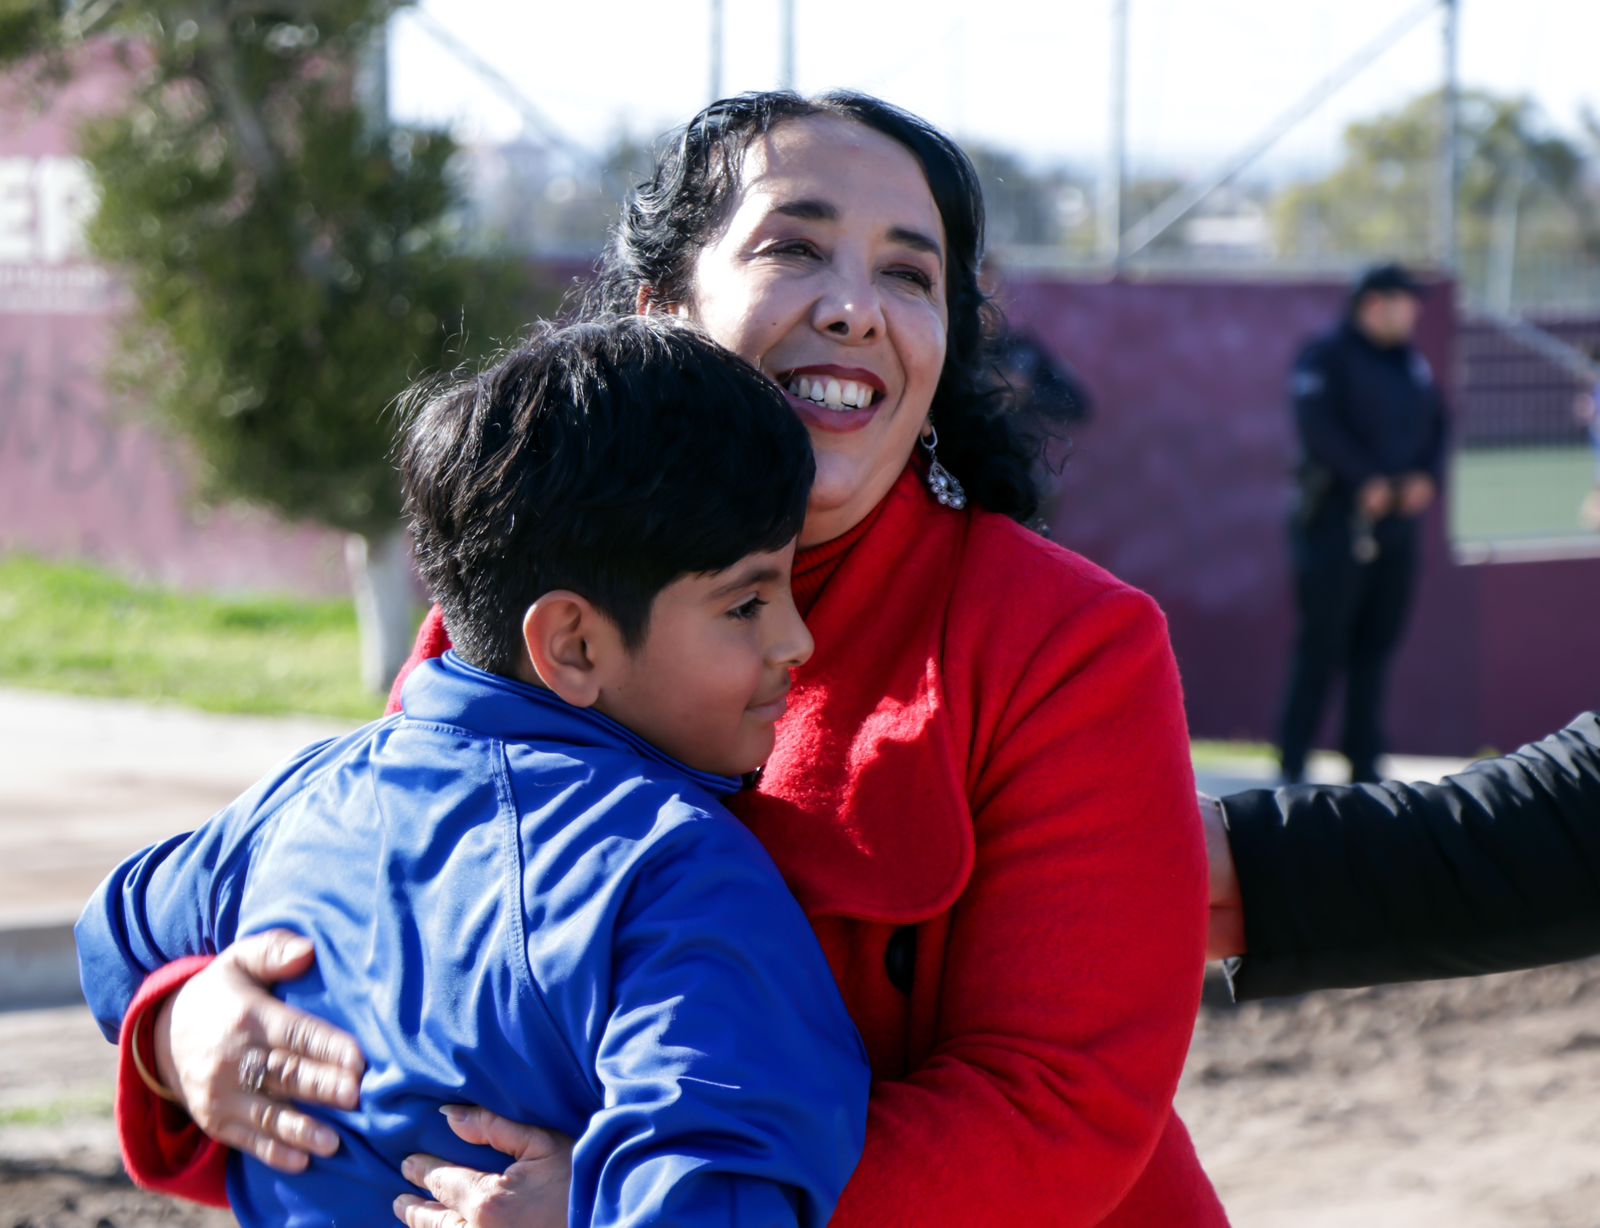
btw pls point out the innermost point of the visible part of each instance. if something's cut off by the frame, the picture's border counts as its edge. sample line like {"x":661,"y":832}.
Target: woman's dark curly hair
{"x":670,"y":217}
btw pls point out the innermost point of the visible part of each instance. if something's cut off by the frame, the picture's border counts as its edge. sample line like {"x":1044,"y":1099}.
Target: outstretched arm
{"x":1493,"y":869}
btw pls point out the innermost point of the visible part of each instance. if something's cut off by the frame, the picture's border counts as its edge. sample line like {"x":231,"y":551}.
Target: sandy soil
{"x":1473,"y":1104}
{"x":58,"y":1155}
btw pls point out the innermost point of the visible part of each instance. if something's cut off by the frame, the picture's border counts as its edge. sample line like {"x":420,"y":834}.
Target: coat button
{"x":900,"y":958}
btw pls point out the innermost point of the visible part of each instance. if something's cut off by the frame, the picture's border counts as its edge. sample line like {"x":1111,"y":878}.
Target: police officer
{"x":1372,"y":430}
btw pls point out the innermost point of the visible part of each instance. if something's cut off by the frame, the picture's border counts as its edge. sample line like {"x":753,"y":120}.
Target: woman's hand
{"x":531,"y":1193}
{"x":1225,"y":933}
{"x":233,"y":1054}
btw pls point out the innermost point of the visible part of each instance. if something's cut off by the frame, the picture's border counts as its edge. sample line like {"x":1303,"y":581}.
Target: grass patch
{"x":1212,"y":754}
{"x":1501,"y":493}
{"x":68,"y":627}
{"x":58,"y":1112}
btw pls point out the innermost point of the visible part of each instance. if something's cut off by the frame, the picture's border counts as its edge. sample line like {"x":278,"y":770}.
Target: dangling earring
{"x":941,"y":482}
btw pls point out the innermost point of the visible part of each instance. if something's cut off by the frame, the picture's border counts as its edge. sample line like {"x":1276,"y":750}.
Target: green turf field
{"x":69,"y":627}
{"x":1506,"y":493}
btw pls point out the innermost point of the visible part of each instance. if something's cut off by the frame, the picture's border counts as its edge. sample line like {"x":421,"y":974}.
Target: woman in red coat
{"x":981,"y":795}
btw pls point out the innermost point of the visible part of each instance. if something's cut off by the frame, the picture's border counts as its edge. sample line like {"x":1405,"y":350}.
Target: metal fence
{"x":1508,"y":395}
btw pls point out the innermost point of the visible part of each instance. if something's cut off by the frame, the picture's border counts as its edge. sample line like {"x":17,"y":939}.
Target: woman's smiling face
{"x":829,"y":275}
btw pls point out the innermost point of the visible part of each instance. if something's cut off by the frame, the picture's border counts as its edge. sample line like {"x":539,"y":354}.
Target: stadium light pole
{"x":534,"y":121}
{"x":1114,"y":176}
{"x":716,"y":50}
{"x":786,"y":44}
{"x":1449,"y":138}
{"x":1155,"y":223}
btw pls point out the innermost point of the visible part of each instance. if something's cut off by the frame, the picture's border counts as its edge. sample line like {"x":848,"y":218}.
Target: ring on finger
{"x":253,"y":1070}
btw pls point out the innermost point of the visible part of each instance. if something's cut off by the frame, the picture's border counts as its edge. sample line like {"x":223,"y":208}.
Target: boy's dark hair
{"x":609,"y":457}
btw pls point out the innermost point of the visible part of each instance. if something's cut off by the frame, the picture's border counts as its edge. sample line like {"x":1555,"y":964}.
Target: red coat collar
{"x":863,"y":803}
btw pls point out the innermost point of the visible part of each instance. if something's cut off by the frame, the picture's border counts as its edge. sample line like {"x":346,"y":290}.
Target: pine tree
{"x":294,"y":260}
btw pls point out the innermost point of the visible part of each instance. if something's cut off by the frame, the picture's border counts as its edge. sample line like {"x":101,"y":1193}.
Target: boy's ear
{"x":571,"y":646}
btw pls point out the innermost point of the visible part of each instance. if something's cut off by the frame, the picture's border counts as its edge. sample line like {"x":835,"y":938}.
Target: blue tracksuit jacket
{"x":520,"y":904}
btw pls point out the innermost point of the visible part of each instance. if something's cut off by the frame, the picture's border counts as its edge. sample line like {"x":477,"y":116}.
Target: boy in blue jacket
{"x":523,"y":890}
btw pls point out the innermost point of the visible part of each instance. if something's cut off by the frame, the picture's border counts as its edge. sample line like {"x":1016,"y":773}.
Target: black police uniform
{"x":1363,"y":411}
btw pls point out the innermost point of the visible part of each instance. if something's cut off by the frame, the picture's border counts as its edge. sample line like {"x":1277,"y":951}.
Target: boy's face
{"x":712,"y":675}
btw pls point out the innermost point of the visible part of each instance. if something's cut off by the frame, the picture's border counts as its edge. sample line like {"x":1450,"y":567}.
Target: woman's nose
{"x":850,"y":307}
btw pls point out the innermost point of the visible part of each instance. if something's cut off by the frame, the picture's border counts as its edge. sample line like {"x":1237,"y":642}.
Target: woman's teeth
{"x":832,"y":393}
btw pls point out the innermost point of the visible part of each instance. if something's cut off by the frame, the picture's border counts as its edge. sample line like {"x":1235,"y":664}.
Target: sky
{"x":1204,"y":76}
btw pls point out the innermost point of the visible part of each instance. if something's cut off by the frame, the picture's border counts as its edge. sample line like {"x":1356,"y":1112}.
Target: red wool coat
{"x":983,"y":799}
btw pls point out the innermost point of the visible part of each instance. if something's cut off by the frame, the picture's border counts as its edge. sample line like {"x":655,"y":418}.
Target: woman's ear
{"x":572,"y":646}
{"x":649,"y":303}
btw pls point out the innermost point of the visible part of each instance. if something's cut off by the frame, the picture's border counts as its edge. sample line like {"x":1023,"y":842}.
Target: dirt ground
{"x":1473,"y":1104}
{"x":1469,"y":1103}
{"x":58,"y":1156}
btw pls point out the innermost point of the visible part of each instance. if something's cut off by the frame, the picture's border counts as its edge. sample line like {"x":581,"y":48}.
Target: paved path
{"x":83,"y":783}
{"x":87,"y":781}
{"x":1222,"y":776}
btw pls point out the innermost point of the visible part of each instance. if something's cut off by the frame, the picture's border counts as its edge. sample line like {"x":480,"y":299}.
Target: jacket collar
{"x":448,"y":691}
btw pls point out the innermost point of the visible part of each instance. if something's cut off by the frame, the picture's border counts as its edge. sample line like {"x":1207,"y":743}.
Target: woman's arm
{"x":1493,"y":869}
{"x":1076,"y":954}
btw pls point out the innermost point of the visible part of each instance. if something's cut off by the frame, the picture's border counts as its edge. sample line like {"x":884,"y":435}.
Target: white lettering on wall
{"x":16,"y":211}
{"x":44,"y":203}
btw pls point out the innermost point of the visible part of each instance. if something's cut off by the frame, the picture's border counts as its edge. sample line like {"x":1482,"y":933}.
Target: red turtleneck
{"x":982,"y":797}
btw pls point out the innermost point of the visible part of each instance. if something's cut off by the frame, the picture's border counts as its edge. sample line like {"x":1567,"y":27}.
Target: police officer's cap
{"x":1387,"y":279}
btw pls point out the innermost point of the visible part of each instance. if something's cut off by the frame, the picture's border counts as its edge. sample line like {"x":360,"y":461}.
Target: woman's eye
{"x":747,"y":610}
{"x":915,"y":276}
{"x":794,"y":247}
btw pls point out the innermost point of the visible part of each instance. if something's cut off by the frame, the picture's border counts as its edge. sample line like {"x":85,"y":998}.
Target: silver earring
{"x":941,"y":482}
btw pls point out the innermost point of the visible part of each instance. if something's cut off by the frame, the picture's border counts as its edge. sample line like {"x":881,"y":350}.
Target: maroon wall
{"x":77,"y":478}
{"x":1537,"y":649}
{"x":1180,"y":485}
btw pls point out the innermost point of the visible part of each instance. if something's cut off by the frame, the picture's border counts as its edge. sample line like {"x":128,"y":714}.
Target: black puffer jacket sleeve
{"x":1493,"y":869}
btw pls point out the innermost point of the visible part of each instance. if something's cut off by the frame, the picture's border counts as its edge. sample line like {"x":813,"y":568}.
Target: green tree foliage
{"x":293,"y":263}
{"x":1381,"y":199}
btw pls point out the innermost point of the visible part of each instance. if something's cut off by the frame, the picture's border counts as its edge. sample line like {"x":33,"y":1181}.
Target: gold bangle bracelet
{"x":150,"y":1080}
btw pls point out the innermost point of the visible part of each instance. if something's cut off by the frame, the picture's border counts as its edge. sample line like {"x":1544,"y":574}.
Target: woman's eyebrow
{"x":919,"y":241}
{"x":809,"y":210}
